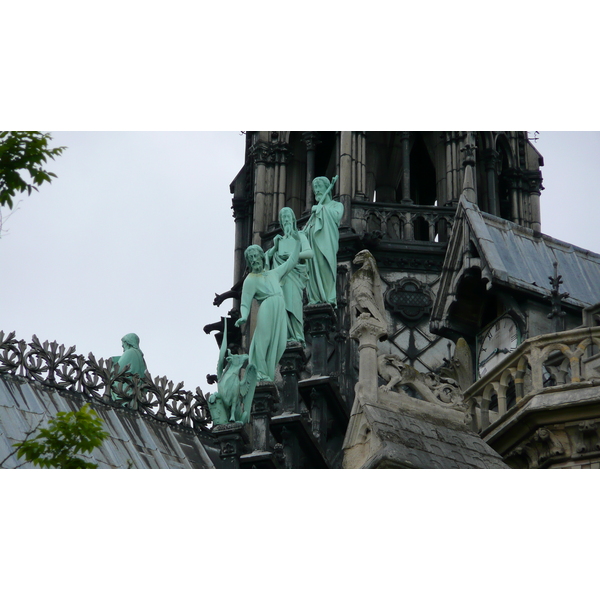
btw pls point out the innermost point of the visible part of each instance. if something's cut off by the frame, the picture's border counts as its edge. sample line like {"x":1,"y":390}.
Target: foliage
{"x":22,"y":151}
{"x":66,"y":435}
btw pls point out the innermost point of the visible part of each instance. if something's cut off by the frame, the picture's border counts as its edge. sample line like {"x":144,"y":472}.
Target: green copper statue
{"x":270,"y":335}
{"x":132,"y":359}
{"x":233,"y":399}
{"x":294,"y":282}
{"x":324,"y":239}
{"x":132,"y":356}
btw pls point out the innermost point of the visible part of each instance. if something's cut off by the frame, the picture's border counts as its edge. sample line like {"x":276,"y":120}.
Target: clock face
{"x":500,"y":339}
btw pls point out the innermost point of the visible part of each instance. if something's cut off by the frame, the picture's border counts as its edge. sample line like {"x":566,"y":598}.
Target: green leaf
{"x":24,"y":150}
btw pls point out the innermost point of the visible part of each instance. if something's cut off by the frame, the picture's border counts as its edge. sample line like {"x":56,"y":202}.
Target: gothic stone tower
{"x":400,"y":191}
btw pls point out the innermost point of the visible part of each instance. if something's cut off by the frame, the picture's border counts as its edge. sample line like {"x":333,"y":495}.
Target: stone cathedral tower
{"x":400,"y":192}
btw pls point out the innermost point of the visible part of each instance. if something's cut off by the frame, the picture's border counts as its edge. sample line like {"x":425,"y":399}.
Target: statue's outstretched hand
{"x":240,"y":322}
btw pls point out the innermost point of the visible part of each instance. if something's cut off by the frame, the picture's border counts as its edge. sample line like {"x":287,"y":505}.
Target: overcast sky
{"x":136,"y":235}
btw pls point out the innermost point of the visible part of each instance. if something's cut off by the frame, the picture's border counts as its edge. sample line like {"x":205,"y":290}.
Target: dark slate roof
{"x":519,"y":257}
{"x":424,"y":442}
{"x":135,"y":441}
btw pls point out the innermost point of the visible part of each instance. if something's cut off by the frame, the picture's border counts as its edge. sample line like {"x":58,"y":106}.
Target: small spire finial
{"x":556,"y":297}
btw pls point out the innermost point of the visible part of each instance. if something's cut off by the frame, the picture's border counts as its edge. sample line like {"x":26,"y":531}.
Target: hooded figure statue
{"x":132,"y":355}
{"x":132,"y":360}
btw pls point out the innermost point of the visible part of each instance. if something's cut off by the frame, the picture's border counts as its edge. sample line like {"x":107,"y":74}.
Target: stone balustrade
{"x":549,"y":362}
{"x":404,"y":222}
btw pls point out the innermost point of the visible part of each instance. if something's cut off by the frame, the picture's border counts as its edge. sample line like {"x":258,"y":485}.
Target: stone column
{"x":405,"y":137}
{"x":281,"y":154}
{"x":311,"y":139}
{"x":319,"y":321}
{"x":361,"y":167}
{"x":490,"y":157}
{"x":535,"y":189}
{"x":468,"y":189}
{"x":513,"y":187}
{"x":449,"y":172}
{"x":345,"y":183}
{"x":367,"y":331}
{"x":260,"y":152}
{"x":409,"y":230}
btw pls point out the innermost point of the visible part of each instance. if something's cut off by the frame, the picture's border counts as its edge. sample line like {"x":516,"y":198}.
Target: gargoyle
{"x":365,"y":289}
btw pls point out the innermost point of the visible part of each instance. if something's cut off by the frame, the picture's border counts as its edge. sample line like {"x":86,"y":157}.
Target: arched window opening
{"x":421,"y":229}
{"x":373,"y":223}
{"x":325,"y":156}
{"x":511,"y":395}
{"x":556,"y":369}
{"x":422,"y":174}
{"x":493,"y":407}
{"x":441,"y":231}
{"x":394,"y":228}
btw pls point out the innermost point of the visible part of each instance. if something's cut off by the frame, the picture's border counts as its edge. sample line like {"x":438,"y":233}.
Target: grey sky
{"x":136,"y":235}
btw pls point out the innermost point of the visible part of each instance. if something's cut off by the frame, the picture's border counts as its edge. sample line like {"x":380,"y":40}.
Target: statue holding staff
{"x":295,"y":281}
{"x":324,"y":239}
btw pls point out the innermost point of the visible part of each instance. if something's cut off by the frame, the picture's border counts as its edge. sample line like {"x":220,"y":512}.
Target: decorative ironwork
{"x":102,"y":381}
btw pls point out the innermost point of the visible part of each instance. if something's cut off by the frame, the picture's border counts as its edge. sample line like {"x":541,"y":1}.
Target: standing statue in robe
{"x":270,"y":335}
{"x":324,"y":239}
{"x":295,"y":281}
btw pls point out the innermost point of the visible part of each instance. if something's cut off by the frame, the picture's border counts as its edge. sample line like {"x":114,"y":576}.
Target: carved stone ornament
{"x":366,"y":327}
{"x":274,"y":152}
{"x":542,"y":446}
{"x":404,"y":379}
{"x":409,"y":298}
{"x":365,"y":290}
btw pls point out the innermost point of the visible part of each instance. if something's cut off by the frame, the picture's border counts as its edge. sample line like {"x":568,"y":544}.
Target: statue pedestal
{"x":290,"y":367}
{"x":265,"y":399}
{"x":263,"y":407}
{"x":319,"y":321}
{"x":232,"y":440}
